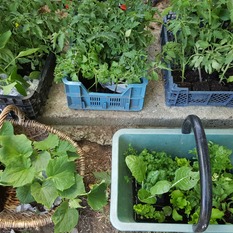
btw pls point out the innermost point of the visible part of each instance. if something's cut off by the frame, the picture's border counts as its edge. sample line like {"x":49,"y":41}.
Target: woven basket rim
{"x":14,"y":220}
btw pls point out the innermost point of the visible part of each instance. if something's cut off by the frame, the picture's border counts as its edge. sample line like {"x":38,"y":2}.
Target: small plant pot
{"x":131,"y":99}
{"x":173,"y":142}
{"x":118,"y":88}
{"x":32,"y":104}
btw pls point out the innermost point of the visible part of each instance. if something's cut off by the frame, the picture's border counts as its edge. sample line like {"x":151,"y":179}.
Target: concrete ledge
{"x":154,"y":114}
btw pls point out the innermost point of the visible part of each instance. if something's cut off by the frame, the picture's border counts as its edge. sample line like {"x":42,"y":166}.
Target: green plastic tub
{"x":169,"y":140}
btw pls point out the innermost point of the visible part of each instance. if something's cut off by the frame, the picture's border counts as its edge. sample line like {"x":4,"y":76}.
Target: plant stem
{"x":199,"y":72}
{"x":223,"y":73}
{"x":13,"y":60}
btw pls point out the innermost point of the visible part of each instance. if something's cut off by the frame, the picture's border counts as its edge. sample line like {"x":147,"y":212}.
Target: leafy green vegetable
{"x":169,"y":187}
{"x":146,"y":197}
{"x":136,"y":166}
{"x":162,"y":186}
{"x":185,"y":178}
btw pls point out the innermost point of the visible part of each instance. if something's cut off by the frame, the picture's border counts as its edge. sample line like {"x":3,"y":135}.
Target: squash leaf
{"x":45,"y":193}
{"x":61,"y":172}
{"x":97,"y":197}
{"x":65,"y":218}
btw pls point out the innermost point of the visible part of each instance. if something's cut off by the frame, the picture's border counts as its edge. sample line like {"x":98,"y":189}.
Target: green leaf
{"x":4,"y":38}
{"x":202,"y":44}
{"x":229,"y":57}
{"x":145,"y":196}
{"x":18,"y":176}
{"x":65,"y":148}
{"x":34,"y":74}
{"x":61,"y":171}
{"x":7,"y":88}
{"x":185,"y":178}
{"x":27,"y":52}
{"x":167,"y":210}
{"x":161,"y":187}
{"x":75,"y":203}
{"x":152,"y":177}
{"x":176,"y":216}
{"x":61,"y":41}
{"x":13,"y":147}
{"x":216,"y":214}
{"x":217,"y":66}
{"x":106,"y":176}
{"x":76,"y":190}
{"x":65,"y":218}
{"x":103,"y":35}
{"x":44,"y":194}
{"x":49,"y":143}
{"x":24,"y":194}
{"x":137,"y":167}
{"x":178,"y":199}
{"x":20,"y":87}
{"x":7,"y":56}
{"x":97,"y":197}
{"x":41,"y":161}
{"x":7,"y":128}
{"x":128,"y":33}
{"x":230,"y":79}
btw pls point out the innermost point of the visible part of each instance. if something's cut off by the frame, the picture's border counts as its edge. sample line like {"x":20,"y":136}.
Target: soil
{"x":210,"y":82}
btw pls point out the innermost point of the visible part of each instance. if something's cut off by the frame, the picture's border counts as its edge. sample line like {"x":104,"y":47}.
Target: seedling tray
{"x":79,"y":98}
{"x":179,"y":96}
{"x":32,"y":104}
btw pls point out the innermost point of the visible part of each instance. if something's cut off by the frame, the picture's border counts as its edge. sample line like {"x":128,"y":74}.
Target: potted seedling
{"x":197,"y":48}
{"x":31,"y":32}
{"x":109,"y":50}
{"x":46,"y":168}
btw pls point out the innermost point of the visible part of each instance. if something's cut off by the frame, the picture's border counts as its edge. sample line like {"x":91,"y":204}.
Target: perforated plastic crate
{"x":32,"y":104}
{"x":178,"y":96}
{"x":78,"y":97}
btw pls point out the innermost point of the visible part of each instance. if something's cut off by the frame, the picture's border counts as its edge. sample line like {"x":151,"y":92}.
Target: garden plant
{"x":168,"y":186}
{"x":200,"y":41}
{"x":109,"y":44}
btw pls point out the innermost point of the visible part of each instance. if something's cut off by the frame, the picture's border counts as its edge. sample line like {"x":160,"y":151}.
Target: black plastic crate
{"x":32,"y":104}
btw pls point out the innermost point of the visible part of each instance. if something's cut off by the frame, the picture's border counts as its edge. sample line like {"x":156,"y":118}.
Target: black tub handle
{"x":193,"y":121}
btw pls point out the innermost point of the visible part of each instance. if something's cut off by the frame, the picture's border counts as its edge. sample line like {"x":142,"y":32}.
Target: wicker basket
{"x":9,"y":218}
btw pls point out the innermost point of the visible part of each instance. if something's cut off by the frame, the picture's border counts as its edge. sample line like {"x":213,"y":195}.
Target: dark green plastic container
{"x":170,"y":140}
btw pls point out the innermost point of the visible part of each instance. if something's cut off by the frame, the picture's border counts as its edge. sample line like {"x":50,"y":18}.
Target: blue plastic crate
{"x":178,"y":96}
{"x":78,"y":97}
